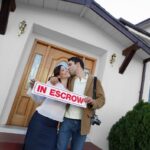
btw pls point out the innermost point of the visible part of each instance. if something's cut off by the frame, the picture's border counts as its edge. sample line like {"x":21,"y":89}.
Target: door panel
{"x":89,"y":65}
{"x":58,"y":56}
{"x":43,"y":58}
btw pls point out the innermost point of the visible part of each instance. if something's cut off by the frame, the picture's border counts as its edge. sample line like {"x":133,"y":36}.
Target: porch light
{"x":113,"y":58}
{"x":22,"y":26}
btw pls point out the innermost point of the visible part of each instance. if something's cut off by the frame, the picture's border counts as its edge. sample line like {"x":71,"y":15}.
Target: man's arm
{"x":53,"y":80}
{"x":100,"y":97}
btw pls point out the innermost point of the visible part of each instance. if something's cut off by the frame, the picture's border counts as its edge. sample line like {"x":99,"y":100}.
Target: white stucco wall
{"x":121,"y":91}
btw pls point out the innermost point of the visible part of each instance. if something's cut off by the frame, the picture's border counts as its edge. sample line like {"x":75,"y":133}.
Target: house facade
{"x":56,"y":30}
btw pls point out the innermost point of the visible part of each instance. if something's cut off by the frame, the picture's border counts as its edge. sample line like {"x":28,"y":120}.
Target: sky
{"x":133,"y":11}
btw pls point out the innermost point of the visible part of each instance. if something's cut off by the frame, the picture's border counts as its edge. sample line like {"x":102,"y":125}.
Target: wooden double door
{"x":42,"y":60}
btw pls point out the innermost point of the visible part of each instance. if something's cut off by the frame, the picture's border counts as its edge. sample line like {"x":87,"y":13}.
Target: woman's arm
{"x":36,"y":98}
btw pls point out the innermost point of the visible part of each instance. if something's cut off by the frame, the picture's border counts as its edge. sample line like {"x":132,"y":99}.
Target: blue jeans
{"x":70,"y":130}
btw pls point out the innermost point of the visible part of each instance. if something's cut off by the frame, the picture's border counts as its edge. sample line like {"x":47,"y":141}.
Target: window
{"x":146,"y":88}
{"x":34,"y":68}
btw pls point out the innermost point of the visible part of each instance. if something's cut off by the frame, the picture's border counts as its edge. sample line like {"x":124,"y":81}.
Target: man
{"x":76,"y":124}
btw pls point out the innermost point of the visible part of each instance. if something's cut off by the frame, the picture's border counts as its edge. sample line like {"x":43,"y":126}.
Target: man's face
{"x":72,"y":67}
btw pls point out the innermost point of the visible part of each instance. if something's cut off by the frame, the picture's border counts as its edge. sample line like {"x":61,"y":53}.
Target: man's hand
{"x":31,"y":83}
{"x":54,"y":80}
{"x":89,"y":100}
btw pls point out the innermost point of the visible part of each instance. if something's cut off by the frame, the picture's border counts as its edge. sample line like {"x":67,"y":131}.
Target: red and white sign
{"x":57,"y":94}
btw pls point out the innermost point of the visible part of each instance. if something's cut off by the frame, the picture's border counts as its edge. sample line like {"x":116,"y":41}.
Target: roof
{"x":143,"y":35}
{"x":144,"y":23}
{"x":98,"y":15}
{"x":138,"y":42}
{"x":89,"y":9}
{"x":113,"y":21}
{"x":136,"y":27}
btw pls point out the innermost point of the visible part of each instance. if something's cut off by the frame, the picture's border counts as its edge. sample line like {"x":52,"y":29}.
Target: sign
{"x":57,"y":94}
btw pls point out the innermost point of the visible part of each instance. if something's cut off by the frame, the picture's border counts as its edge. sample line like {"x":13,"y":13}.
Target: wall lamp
{"x":113,"y":58}
{"x":22,"y":26}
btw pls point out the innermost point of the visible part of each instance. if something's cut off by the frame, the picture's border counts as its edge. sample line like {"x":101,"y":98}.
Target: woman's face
{"x":64,"y":73}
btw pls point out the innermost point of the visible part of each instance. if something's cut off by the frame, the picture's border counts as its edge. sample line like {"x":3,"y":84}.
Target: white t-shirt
{"x":50,"y":108}
{"x":74,"y":112}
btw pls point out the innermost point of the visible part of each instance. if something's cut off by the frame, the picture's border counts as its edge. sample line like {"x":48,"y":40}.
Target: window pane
{"x":34,"y":68}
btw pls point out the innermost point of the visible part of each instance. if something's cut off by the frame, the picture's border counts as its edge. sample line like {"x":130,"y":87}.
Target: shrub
{"x":132,"y":132}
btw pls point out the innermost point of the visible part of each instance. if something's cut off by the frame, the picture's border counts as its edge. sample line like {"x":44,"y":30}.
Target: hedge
{"x":132,"y":132}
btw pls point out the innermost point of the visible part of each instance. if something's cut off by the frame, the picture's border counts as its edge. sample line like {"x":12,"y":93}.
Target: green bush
{"x":132,"y":132}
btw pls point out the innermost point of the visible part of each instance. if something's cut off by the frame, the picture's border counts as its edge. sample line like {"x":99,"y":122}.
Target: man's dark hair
{"x":77,"y":60}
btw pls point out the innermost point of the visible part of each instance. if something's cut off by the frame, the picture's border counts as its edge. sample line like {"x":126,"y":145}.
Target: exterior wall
{"x":121,"y":91}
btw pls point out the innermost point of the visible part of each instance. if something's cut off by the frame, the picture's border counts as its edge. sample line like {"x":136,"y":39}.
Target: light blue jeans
{"x":70,"y":130}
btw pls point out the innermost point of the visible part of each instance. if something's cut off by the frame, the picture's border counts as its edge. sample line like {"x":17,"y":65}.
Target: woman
{"x":42,"y":129}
